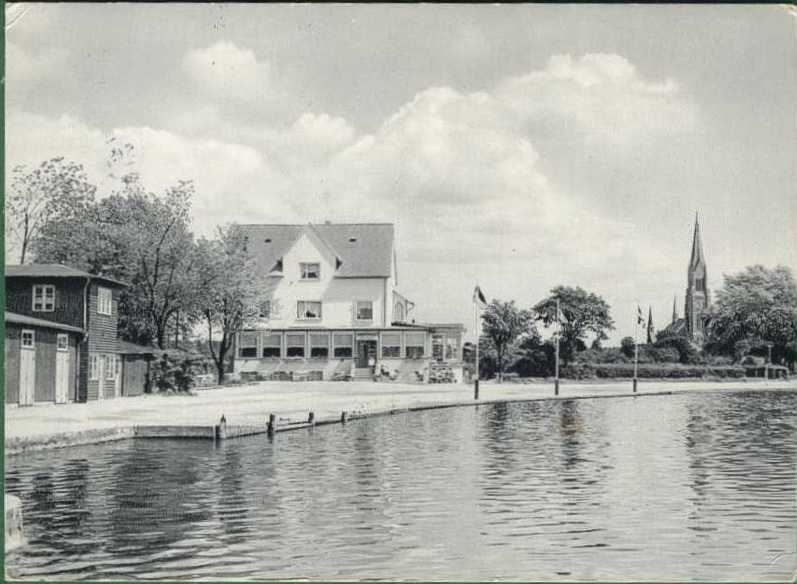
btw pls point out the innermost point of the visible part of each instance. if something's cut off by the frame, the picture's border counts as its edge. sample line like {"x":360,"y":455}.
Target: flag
{"x":639,"y":318}
{"x":650,"y":325}
{"x":478,"y":297}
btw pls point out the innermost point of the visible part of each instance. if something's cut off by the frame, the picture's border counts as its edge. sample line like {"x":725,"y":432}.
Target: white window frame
{"x":62,"y":342}
{"x":326,"y":346}
{"x":409,"y":343}
{"x":40,"y":298}
{"x":336,"y":346}
{"x":305,"y":271}
{"x":22,"y":342}
{"x":301,"y":310}
{"x":241,"y":346}
{"x":288,"y":346}
{"x":264,"y":346}
{"x":394,"y":346}
{"x":357,"y":310}
{"x":110,"y":367}
{"x":94,"y":367}
{"x":104,"y":301}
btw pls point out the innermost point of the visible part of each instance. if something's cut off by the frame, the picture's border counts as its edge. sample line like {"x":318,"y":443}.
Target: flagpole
{"x":477,"y":331}
{"x":636,"y":347}
{"x":558,"y":329}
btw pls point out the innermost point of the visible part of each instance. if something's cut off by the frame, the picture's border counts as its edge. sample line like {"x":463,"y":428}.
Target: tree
{"x":755,"y":307}
{"x":231,"y":294}
{"x":627,"y":346}
{"x":503,"y":323}
{"x":137,"y":237}
{"x":582,"y":313}
{"x":57,"y":189}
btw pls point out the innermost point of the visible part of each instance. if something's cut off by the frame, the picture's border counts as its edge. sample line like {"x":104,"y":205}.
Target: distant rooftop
{"x":54,"y":271}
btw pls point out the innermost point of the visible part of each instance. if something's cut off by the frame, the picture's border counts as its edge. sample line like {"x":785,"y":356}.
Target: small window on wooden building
{"x":364,"y":309}
{"x":247,"y":347}
{"x":110,"y":367}
{"x":272,"y":345}
{"x":294,"y":344}
{"x":62,"y":342}
{"x":319,"y":345}
{"x":94,"y":367}
{"x":344,"y":343}
{"x":415,"y":342}
{"x":43,"y":298}
{"x":391,"y":345}
{"x":28,"y":339}
{"x":104,"y":301}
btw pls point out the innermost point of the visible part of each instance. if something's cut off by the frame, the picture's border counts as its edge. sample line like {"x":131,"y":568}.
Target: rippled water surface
{"x":670,"y":487}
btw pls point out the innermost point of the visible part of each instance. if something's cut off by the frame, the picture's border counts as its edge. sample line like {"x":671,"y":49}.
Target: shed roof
{"x":40,"y":322}
{"x":364,"y":249}
{"x":54,"y":271}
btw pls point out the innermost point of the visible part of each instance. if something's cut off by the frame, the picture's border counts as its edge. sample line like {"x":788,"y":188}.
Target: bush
{"x":173,"y":373}
{"x":661,"y":371}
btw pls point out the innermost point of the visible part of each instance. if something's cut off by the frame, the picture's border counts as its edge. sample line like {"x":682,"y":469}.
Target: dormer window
{"x":308,"y":310}
{"x":310,"y":271}
{"x":43,"y":298}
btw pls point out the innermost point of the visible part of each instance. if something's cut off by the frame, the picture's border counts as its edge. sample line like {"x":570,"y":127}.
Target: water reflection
{"x":675,"y":487}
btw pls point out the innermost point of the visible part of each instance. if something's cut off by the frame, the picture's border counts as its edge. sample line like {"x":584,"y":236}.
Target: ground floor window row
{"x":107,"y":366}
{"x":347,"y":344}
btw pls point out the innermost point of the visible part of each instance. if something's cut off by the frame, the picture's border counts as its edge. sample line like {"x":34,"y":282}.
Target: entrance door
{"x":366,"y":354}
{"x":27,"y":367}
{"x":61,"y":369}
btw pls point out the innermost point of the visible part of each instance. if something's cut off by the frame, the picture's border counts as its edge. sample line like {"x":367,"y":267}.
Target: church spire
{"x":697,"y":246}
{"x":674,"y":309}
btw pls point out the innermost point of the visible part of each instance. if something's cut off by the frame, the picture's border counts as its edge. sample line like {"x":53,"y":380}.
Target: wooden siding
{"x":101,"y":327}
{"x":45,"y":342}
{"x":83,"y":371}
{"x":12,"y":363}
{"x":134,"y":375}
{"x":68,"y":299}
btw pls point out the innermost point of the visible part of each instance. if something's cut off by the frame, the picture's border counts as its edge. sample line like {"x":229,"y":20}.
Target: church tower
{"x":697,"y":298}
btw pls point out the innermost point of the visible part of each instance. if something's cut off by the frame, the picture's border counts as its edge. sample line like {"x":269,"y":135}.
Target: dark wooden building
{"x":54,"y":310}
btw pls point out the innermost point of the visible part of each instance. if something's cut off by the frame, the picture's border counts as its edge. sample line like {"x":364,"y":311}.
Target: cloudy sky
{"x":519,"y":147}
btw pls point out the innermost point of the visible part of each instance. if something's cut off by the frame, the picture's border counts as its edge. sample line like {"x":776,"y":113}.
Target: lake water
{"x":690,"y":486}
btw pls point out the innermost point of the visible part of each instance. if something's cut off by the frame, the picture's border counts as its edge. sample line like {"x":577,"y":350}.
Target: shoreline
{"x":47,"y":426}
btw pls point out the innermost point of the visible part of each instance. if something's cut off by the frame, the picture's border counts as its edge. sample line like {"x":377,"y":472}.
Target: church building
{"x":697,"y":300}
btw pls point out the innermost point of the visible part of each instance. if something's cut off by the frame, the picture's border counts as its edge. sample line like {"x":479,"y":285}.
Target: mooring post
{"x":343,"y":417}
{"x":634,"y":384}
{"x":221,"y":429}
{"x":476,"y":389}
{"x":272,"y":424}
{"x":311,"y":418}
{"x":556,"y":386}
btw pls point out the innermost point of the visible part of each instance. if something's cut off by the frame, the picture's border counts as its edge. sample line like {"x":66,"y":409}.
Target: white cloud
{"x":25,"y":69}
{"x":227,"y":71}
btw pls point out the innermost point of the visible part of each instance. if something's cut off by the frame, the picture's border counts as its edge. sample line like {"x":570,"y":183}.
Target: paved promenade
{"x":47,"y":425}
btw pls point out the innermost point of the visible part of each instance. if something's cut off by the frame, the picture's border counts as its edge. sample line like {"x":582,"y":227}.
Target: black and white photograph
{"x":400,"y":292}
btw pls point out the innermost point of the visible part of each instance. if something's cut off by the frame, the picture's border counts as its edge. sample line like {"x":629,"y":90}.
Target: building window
{"x":110,"y":367}
{"x":28,"y":339}
{"x":319,"y":345}
{"x":62,"y":342}
{"x":294,"y":344}
{"x":451,"y":348}
{"x":43,"y":298}
{"x":310,"y":271}
{"x":398,"y":312}
{"x":94,"y":367}
{"x":264,"y":310}
{"x":247,"y":346}
{"x":391,"y":345}
{"x":104,"y":301}
{"x":306,"y":310}
{"x":415,"y":343}
{"x":364,"y":310}
{"x":272,"y":345}
{"x":344,"y":343}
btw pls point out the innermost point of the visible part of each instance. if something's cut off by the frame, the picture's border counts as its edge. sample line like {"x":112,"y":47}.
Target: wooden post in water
{"x":343,"y":417}
{"x":221,"y":429}
{"x":311,"y":419}
{"x":272,"y":424}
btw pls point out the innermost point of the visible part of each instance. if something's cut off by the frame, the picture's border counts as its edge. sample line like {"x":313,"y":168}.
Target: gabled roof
{"x":365,"y":250}
{"x":32,"y":321}
{"x":54,"y":271}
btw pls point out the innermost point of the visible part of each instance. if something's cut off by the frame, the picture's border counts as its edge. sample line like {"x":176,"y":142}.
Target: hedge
{"x":648,"y":371}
